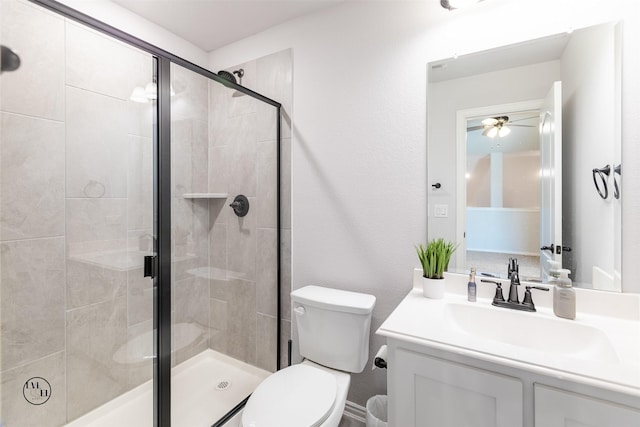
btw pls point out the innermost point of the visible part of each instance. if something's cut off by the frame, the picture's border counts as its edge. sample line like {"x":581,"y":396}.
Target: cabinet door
{"x":560,"y":408}
{"x":434,"y":392}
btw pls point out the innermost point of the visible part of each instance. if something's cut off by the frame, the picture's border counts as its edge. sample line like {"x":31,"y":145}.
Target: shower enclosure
{"x":131,"y":292}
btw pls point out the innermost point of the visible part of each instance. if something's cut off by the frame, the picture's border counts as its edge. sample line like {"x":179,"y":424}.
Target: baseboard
{"x":355,"y":411}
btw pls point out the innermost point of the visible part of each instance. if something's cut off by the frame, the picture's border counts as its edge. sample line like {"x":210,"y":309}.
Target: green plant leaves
{"x":435,"y":257}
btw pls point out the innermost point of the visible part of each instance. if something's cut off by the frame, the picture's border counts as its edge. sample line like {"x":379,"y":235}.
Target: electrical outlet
{"x":441,"y":211}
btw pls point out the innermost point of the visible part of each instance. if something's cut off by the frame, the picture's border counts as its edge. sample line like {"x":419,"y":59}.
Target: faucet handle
{"x":498,"y":297}
{"x":528,"y":301}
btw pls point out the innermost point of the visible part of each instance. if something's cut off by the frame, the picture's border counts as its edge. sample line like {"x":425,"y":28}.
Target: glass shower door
{"x":224,"y":223}
{"x":77,"y":147}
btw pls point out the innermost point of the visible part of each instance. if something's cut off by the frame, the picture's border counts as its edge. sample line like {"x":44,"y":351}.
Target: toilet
{"x":333,"y":334}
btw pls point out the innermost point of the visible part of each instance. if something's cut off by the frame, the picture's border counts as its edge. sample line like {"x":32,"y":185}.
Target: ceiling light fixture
{"x":457,"y":4}
{"x":503,"y":131}
{"x":148,"y":93}
{"x":496,"y":126}
{"x":151,"y":90}
{"x":138,"y":95}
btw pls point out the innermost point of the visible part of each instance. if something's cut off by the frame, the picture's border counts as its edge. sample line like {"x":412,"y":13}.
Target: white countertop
{"x":614,"y":366}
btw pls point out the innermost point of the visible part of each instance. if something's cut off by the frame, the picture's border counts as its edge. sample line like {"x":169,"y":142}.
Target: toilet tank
{"x":333,"y":326}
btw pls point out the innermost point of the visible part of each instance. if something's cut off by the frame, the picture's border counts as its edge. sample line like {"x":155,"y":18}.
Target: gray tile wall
{"x":242,"y":160}
{"x":189,"y":217}
{"x":75,"y":216}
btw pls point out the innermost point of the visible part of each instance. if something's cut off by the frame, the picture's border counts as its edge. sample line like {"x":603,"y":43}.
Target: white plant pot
{"x":433,"y":288}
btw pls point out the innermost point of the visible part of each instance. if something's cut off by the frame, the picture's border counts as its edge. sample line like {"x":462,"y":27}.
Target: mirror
{"x":501,"y":195}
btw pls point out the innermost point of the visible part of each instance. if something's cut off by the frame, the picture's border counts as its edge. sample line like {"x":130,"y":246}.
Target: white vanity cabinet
{"x":452,"y":363}
{"x":427,"y":391}
{"x":561,"y":408}
{"x":430,"y":387}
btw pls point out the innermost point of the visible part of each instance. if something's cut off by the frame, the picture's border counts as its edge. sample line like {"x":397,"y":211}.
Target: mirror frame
{"x":626,"y":106}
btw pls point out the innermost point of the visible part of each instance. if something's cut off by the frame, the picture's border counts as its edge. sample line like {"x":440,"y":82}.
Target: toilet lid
{"x":297,"y":396}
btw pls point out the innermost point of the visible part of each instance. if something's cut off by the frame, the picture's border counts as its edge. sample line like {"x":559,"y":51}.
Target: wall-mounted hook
{"x":616,"y":190}
{"x":436,"y":186}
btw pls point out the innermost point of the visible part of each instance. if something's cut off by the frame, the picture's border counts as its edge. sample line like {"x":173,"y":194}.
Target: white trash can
{"x":377,"y":411}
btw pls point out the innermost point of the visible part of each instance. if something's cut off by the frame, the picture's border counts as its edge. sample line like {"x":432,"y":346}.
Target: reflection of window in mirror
{"x":503,"y":191}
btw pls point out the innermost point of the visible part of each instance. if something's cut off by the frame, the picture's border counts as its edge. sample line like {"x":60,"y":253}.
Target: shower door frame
{"x":162,"y":203}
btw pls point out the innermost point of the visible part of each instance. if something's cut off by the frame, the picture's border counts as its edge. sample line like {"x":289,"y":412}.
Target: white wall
{"x":359,"y":141}
{"x":588,"y":91}
{"x":503,"y":230}
{"x":116,"y":16}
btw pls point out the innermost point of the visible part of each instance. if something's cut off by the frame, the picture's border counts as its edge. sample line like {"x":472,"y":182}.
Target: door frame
{"x":461,"y":164}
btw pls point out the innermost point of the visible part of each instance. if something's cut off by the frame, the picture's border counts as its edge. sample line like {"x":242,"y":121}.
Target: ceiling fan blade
{"x":523,"y":126}
{"x":472,"y":128}
{"x":526,"y":118}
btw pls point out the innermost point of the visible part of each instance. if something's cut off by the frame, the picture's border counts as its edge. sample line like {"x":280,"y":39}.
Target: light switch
{"x":441,"y":211}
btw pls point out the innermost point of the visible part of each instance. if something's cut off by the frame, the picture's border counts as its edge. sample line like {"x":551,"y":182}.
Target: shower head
{"x":227,"y":76}
{"x":232,"y":78}
{"x":10,"y":61}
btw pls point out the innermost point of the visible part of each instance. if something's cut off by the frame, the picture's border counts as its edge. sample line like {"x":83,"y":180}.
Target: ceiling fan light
{"x":491,"y":121}
{"x":504,"y":131}
{"x":492,"y":132}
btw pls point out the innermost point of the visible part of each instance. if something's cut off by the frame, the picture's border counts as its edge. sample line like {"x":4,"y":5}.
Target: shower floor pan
{"x":203,"y":389}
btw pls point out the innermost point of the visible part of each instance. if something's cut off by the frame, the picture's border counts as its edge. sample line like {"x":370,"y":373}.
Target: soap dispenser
{"x":564,"y":296}
{"x":471,"y":286}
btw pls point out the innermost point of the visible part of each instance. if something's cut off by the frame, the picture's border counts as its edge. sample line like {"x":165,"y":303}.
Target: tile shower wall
{"x":75,"y":216}
{"x":224,"y":267}
{"x":243,"y":251}
{"x":189,"y":217}
{"x":76,"y":169}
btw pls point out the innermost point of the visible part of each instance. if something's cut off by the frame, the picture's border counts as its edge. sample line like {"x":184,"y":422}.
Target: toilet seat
{"x":297,"y":396}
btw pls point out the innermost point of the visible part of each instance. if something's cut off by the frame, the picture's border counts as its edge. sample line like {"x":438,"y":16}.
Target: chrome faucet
{"x":512,"y":266}
{"x":513,"y":302}
{"x":512,"y":274}
{"x":513,"y":287}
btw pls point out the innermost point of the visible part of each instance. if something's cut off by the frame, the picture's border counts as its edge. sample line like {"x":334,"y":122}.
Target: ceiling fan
{"x":497,"y":126}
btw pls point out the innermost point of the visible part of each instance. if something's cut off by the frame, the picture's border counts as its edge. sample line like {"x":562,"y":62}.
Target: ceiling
{"x":210,"y":24}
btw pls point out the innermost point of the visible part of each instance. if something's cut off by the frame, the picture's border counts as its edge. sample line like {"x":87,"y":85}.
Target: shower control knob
{"x":240,"y":205}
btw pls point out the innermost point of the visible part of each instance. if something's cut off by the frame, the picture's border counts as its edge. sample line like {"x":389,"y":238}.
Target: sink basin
{"x":531,"y":331}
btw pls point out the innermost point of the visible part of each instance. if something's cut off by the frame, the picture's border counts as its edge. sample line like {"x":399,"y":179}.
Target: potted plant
{"x":434,"y":258}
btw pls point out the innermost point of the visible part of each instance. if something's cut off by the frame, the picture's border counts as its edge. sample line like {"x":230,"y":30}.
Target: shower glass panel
{"x":76,"y":222}
{"x":225,"y":266}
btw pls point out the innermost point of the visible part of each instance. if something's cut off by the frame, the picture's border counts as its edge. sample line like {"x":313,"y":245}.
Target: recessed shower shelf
{"x":205,"y":195}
